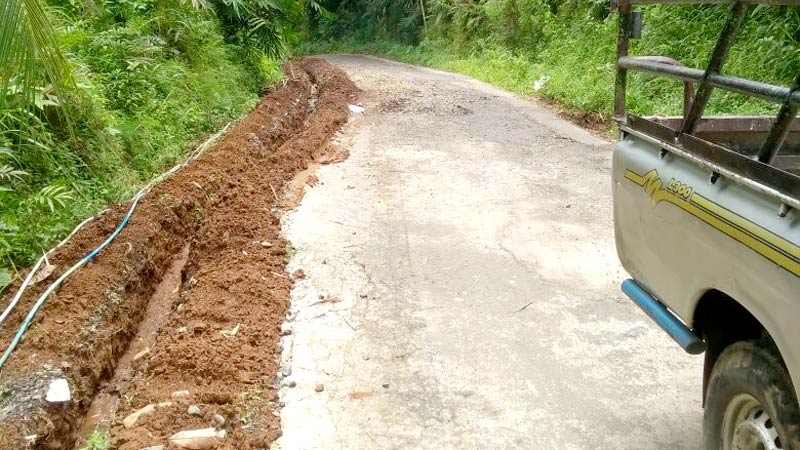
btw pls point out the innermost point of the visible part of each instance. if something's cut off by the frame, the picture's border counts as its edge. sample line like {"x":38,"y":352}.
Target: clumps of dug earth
{"x":170,"y":337}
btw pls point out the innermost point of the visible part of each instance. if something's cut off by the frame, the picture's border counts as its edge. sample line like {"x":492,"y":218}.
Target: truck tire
{"x":750,"y":402}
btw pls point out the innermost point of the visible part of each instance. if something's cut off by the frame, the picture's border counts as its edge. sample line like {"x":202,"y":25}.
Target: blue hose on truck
{"x":685,"y":337}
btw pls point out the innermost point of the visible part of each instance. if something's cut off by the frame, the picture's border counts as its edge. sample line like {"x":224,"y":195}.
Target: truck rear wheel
{"x":750,"y":401}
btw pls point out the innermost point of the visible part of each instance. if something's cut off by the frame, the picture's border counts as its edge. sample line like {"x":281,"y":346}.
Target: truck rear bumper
{"x":670,"y":323}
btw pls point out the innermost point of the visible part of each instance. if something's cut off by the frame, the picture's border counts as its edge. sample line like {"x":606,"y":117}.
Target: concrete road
{"x":461,"y":285}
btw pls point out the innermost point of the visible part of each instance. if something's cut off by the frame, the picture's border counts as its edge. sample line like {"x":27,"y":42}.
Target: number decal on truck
{"x":683,"y":190}
{"x":768,"y":244}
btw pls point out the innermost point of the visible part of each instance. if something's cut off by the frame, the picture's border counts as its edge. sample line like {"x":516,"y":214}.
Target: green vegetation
{"x":97,"y":441}
{"x":565,"y":48}
{"x":97,"y":96}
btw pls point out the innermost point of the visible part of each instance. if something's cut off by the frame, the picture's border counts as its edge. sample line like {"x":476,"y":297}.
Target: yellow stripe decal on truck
{"x":773,"y":247}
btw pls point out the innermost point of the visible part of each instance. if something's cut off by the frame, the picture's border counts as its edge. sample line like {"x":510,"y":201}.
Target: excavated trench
{"x":105,"y":404}
{"x":184,"y":308}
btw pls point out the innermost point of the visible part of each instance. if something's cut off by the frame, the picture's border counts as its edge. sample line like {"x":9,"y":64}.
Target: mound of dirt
{"x":184,"y":309}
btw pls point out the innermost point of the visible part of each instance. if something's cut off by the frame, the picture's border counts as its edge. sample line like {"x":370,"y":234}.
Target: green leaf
{"x":5,"y":278}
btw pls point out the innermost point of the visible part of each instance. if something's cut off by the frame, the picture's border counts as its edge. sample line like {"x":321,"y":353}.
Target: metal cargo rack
{"x":762,"y":152}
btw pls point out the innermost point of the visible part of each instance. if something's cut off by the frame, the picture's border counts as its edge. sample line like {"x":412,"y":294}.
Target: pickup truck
{"x":707,"y":223}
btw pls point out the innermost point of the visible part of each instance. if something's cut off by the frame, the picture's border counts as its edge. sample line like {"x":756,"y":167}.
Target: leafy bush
{"x":150,"y":78}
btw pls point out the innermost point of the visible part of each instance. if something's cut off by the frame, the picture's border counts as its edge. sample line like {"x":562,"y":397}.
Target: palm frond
{"x":29,"y":55}
{"x":265,"y":35}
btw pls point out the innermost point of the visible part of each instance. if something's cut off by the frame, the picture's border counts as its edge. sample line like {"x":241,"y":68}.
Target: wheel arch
{"x":721,"y":321}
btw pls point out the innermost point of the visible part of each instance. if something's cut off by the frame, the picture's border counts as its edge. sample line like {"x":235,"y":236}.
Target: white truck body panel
{"x":680,"y":236}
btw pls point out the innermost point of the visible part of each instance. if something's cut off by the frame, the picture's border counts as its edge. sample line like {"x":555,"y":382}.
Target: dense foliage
{"x":564,"y":49}
{"x":96,"y":96}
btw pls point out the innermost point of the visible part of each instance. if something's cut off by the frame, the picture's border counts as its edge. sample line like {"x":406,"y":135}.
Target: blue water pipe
{"x":685,"y":337}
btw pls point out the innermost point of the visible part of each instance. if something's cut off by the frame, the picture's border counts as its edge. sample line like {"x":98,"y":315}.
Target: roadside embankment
{"x":184,"y":308}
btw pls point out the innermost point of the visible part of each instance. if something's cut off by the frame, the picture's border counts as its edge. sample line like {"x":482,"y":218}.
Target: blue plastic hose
{"x":32,"y":313}
{"x":56,"y":284}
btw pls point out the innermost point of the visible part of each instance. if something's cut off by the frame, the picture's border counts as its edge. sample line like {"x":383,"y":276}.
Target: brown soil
{"x":194,"y":287}
{"x":594,"y":122}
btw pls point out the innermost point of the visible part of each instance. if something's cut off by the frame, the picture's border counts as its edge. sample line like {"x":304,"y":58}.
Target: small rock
{"x":266,"y":244}
{"x":286,"y":371}
{"x":292,"y":384}
{"x":198,"y":439}
{"x":194,"y":410}
{"x":219,"y":419}
{"x":286,"y":332}
{"x":141,"y":354}
{"x":277,"y":251}
{"x":58,"y":392}
{"x":132,"y":418}
{"x":386,"y":385}
{"x":319,"y":388}
{"x":183,"y":330}
{"x":179,"y":394}
{"x":130,"y":421}
{"x":356,"y":109}
{"x":154,"y":447}
{"x":43,"y":273}
{"x":232,"y":332}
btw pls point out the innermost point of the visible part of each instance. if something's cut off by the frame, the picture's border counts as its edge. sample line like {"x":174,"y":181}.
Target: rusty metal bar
{"x":719,"y":2}
{"x":727,"y":124}
{"x":780,"y":129}
{"x":765,"y":91}
{"x":621,"y":81}
{"x":718,"y":56}
{"x":688,"y":85}
{"x":728,"y":163}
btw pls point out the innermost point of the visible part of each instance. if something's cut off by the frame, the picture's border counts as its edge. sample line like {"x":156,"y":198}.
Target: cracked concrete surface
{"x":461,"y":286}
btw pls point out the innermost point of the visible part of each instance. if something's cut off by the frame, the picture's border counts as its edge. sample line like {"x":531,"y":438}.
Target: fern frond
{"x":8,"y":173}
{"x":52,"y":196}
